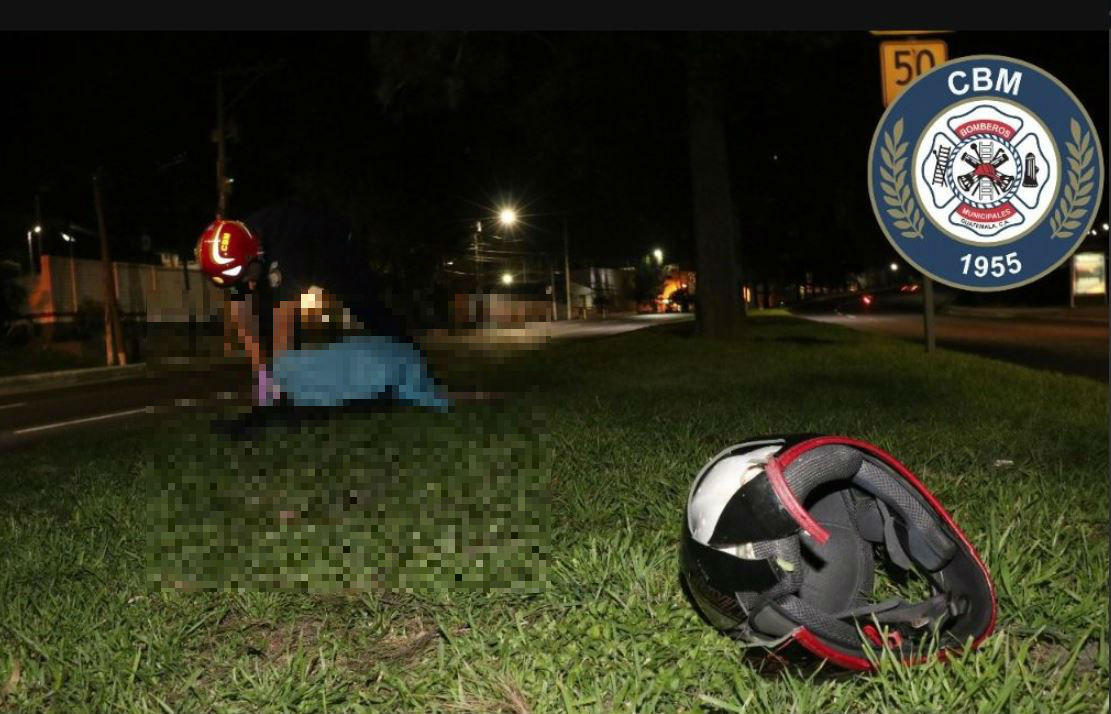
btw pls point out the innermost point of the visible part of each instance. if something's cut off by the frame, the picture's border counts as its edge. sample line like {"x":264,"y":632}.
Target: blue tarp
{"x":362,"y":367}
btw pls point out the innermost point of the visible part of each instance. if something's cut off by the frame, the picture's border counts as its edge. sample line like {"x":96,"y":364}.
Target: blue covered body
{"x":363,"y":367}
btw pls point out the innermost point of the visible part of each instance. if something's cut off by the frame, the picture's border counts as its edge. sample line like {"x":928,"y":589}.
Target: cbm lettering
{"x":983,"y":81}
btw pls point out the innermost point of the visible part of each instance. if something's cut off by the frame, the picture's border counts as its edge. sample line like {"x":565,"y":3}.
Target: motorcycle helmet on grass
{"x":780,"y":541}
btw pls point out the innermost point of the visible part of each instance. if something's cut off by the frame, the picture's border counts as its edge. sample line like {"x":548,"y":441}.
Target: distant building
{"x":596,"y":290}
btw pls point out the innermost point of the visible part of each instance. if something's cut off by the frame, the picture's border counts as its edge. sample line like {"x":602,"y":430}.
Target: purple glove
{"x":266,"y":391}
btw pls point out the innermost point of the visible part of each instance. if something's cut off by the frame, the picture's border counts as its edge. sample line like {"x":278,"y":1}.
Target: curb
{"x":42,"y":381}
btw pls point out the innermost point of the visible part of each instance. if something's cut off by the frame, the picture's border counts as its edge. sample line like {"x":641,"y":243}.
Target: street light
{"x":70,"y":240}
{"x":1104,"y":227}
{"x":894,"y":267}
{"x":508,"y":216}
{"x":659,"y":254}
{"x":507,"y":278}
{"x":35,"y":230}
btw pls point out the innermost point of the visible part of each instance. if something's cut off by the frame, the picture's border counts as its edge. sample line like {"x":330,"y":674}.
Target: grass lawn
{"x":526,"y":556}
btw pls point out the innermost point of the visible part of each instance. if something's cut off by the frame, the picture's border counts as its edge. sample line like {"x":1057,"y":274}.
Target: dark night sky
{"x":416,"y":135}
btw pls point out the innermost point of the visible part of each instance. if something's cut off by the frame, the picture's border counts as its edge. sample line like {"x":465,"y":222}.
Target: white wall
{"x":151,"y":291}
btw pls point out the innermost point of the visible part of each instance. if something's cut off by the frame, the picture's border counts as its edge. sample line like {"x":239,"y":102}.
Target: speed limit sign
{"x":902,"y":61}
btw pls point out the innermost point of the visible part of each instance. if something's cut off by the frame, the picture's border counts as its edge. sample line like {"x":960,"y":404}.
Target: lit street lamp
{"x":894,"y":267}
{"x":35,"y":231}
{"x":70,"y":240}
{"x":508,"y":217}
{"x":659,"y":255}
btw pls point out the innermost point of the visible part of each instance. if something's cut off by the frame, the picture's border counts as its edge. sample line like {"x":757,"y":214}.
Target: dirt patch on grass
{"x":1051,"y":657}
{"x":405,"y":643}
{"x":275,"y":642}
{"x":1050,"y":652}
{"x":507,"y":698}
{"x":418,"y":636}
{"x":278,"y":644}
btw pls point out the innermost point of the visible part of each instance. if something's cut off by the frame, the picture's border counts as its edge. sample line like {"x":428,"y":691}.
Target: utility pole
{"x":228,"y":130}
{"x":566,"y":266}
{"x":938,"y":53}
{"x":221,"y":148}
{"x":187,"y":296}
{"x":70,"y":240}
{"x":551,"y":286}
{"x":38,"y":220}
{"x":477,"y":274}
{"x":113,"y":334}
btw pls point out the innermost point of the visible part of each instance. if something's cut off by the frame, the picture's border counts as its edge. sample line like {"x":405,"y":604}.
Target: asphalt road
{"x":1070,"y":347}
{"x":33,"y":416}
{"x":30,"y":417}
{"x":1079,"y":348}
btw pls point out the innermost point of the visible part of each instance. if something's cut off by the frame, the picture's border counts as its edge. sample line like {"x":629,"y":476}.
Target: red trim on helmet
{"x":803,"y":446}
{"x":894,"y":637}
{"x":815,"y":645}
{"x":812,"y":642}
{"x":774,"y":471}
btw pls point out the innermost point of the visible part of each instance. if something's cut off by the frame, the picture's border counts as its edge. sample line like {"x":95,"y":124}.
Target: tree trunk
{"x":720,"y":307}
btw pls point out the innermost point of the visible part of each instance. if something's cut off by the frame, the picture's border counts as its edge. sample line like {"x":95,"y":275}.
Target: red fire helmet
{"x":225,"y":251}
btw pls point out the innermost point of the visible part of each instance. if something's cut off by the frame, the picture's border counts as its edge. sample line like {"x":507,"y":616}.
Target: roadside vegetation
{"x":521,"y":556}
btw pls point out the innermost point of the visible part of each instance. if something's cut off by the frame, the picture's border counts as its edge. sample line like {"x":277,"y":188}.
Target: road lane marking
{"x":70,"y":422}
{"x":12,"y":406}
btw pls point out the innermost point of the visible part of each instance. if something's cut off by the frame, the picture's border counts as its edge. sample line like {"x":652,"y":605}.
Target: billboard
{"x":1089,"y":274}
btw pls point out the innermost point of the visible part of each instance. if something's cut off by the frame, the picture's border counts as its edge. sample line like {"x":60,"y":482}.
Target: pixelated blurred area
{"x":325,"y":493}
{"x":470,"y":360}
{"x":388,"y":459}
{"x":402,"y":499}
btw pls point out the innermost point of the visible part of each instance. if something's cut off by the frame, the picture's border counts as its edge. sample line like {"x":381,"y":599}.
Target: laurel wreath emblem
{"x":1070,"y":209}
{"x":896,"y":190}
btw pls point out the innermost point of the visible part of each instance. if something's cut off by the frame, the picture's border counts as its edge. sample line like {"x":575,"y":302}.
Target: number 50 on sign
{"x":902,"y":62}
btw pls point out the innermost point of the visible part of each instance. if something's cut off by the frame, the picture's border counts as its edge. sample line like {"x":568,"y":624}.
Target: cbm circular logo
{"x":985,"y":173}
